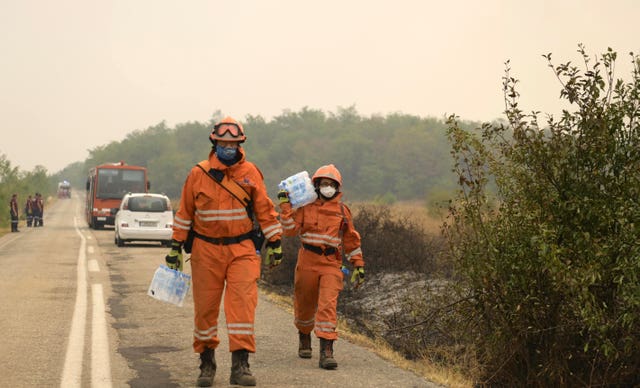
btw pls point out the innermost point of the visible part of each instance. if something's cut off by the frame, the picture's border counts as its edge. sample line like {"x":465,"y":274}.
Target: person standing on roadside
{"x":28,"y":211}
{"x":13,"y":210}
{"x":38,"y":214}
{"x":326,"y":231}
{"x":223,"y":254}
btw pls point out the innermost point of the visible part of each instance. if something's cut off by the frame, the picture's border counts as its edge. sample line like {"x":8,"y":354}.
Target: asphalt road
{"x":74,"y":312}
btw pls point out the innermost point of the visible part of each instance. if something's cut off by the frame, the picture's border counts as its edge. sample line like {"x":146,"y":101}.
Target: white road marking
{"x":90,"y":249}
{"x":100,"y":366}
{"x":93,"y":266}
{"x":72,"y":372}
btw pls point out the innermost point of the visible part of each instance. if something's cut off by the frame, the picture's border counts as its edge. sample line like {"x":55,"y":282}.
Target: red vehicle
{"x":106,"y":185}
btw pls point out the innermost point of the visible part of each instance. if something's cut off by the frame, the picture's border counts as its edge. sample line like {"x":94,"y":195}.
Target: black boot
{"x":207,"y":368}
{"x":304,"y":347}
{"x":240,"y":373}
{"x":326,"y":355}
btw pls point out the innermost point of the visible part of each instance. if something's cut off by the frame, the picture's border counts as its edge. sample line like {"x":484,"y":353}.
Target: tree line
{"x":382,"y":158}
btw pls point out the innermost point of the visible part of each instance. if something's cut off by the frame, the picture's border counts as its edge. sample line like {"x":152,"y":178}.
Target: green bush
{"x":548,"y":262}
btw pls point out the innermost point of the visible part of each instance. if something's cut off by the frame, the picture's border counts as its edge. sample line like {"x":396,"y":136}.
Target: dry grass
{"x":417,"y":211}
{"x":413,"y":210}
{"x":424,"y":367}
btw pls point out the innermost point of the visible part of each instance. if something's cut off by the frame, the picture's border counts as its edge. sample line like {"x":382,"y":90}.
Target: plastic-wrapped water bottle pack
{"x":300,"y":189}
{"x":169,"y":285}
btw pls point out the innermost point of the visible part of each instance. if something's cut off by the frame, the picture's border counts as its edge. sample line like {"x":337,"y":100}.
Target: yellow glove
{"x":357,"y":278}
{"x":174,"y":258}
{"x":274,"y":254}
{"x":283,"y":196}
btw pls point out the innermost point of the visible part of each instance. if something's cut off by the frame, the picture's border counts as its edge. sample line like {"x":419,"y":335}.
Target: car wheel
{"x":119,"y":242}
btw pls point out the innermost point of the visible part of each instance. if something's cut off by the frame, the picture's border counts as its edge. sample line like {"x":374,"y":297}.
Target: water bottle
{"x":300,"y":189}
{"x":169,"y":285}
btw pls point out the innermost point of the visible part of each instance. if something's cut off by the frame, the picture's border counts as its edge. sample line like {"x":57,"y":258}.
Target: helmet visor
{"x":222,"y":129}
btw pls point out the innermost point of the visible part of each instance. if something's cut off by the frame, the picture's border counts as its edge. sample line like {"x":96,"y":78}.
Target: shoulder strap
{"x":343,"y":226}
{"x":345,"y":222}
{"x":228,"y":184}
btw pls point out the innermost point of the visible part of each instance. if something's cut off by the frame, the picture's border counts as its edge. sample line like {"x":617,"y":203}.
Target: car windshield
{"x":147,"y":204}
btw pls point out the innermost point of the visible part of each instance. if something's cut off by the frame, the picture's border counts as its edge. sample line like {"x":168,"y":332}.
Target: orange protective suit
{"x":318,"y":279}
{"x":215,"y":213}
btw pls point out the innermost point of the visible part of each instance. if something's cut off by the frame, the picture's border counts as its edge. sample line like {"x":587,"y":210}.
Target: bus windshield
{"x":115,"y":183}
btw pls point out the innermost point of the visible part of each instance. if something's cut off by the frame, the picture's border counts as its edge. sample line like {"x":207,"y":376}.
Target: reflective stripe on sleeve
{"x":272,"y":230}
{"x":354,"y":252}
{"x":181,"y":223}
{"x":288,"y":224}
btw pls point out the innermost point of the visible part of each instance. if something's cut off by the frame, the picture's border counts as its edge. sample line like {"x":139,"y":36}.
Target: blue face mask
{"x":226,"y":154}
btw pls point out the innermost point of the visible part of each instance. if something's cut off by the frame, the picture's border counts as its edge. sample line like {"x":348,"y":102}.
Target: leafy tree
{"x":548,"y":263}
{"x":23,"y":183}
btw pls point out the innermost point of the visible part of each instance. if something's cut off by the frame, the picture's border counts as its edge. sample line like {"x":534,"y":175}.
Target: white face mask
{"x":327,"y":191}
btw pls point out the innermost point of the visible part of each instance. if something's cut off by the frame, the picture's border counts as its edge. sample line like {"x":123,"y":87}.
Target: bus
{"x":106,"y":185}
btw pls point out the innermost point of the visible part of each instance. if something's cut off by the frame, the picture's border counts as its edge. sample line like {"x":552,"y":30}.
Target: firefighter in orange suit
{"x":223,"y":251}
{"x":326,"y":230}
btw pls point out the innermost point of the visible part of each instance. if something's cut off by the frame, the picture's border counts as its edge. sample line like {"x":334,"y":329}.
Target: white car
{"x":144,"y":217}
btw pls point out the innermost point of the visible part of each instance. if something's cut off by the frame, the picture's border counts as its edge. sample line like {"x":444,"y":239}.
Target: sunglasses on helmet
{"x":222,"y":129}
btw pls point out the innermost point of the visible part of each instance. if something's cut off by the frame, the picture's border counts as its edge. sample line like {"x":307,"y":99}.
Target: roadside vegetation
{"x":535,"y":280}
{"x":547,"y":261}
{"x":24,"y":183}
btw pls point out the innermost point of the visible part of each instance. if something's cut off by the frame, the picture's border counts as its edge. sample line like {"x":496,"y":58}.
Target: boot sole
{"x":329,"y":365}
{"x":204,"y":383}
{"x":244,"y":384}
{"x":305,"y":353}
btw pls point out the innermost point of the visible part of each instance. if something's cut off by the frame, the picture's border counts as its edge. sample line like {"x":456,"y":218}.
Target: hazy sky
{"x":76,"y":74}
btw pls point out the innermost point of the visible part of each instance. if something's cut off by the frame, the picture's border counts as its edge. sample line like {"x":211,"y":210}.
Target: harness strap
{"x":228,"y":184}
{"x":318,"y":250}
{"x":223,"y":240}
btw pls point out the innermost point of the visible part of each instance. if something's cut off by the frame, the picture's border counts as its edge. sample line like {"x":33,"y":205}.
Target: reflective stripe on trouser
{"x":317,"y":283}
{"x":211,"y":265}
